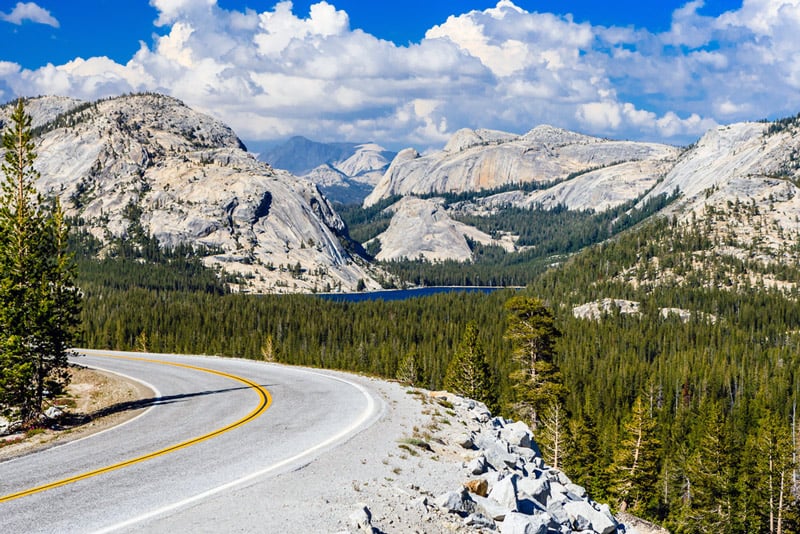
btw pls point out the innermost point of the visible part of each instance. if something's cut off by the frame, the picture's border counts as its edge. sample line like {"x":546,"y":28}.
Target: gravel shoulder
{"x":95,"y":401}
{"x":396,"y":468}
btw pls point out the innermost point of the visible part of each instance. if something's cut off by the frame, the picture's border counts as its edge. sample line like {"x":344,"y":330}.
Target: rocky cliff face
{"x":487,"y":159}
{"x":741,"y":181}
{"x":423,"y":228}
{"x":571,"y":169}
{"x":186,"y":178}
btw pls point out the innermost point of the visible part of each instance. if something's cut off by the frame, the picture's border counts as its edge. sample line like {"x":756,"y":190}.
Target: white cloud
{"x":170,"y":11}
{"x":274,"y":73}
{"x":29,"y":11}
{"x":688,"y":27}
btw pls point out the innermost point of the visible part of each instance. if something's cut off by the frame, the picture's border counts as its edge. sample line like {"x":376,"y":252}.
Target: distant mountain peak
{"x":357,"y":166}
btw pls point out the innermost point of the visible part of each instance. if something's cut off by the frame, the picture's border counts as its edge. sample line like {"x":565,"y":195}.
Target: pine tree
{"x":635,"y":467}
{"x":773,"y":467}
{"x":407,"y":372}
{"x":582,"y":458}
{"x":537,"y":380}
{"x":468,"y":374}
{"x":269,"y":353}
{"x":711,"y":472}
{"x":38,"y":300}
{"x":552,"y":434}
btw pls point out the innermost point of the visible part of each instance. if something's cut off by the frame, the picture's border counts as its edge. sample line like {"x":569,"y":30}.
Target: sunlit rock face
{"x":186,"y":178}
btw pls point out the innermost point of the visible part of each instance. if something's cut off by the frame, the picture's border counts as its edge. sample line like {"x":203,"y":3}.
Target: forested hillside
{"x":543,"y":237}
{"x":675,"y":399}
{"x":713,"y":396}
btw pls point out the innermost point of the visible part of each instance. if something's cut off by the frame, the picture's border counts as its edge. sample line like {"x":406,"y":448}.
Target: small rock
{"x":361,"y":519}
{"x":498,"y":422}
{"x":490,"y":508}
{"x":517,"y":434}
{"x":481,"y":415}
{"x":499,"y":459}
{"x":516,"y":523}
{"x":527,"y":453}
{"x":478,"y":486}
{"x":465,"y":441}
{"x":53,"y":412}
{"x":456,"y":502}
{"x":421,"y":504}
{"x":477,"y":466}
{"x":578,"y":491}
{"x":481,"y":521}
{"x":536,"y":488}
{"x":559,"y":514}
{"x":504,"y":492}
{"x":581,"y":512}
{"x":558,"y":492}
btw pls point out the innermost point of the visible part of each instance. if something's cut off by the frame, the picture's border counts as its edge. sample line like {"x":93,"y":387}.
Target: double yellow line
{"x":264,"y":403}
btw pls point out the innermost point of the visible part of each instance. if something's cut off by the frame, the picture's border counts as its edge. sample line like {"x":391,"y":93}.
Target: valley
{"x":671,"y":273}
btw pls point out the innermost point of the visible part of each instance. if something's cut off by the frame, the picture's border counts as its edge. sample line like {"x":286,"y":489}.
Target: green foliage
{"x":636,"y":462}
{"x":582,"y":456}
{"x":783,"y":124}
{"x":710,"y":501}
{"x":468,"y":374}
{"x":536,"y":379}
{"x":553,"y":434}
{"x":365,"y":223}
{"x":407,"y":372}
{"x":39,"y":302}
{"x":366,"y":337}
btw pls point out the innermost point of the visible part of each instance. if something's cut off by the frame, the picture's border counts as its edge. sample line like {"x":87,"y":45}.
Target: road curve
{"x":210,"y":429}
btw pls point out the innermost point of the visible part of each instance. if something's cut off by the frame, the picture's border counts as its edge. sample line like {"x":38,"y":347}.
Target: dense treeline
{"x":366,"y":337}
{"x":715,"y":394}
{"x":712,"y":397}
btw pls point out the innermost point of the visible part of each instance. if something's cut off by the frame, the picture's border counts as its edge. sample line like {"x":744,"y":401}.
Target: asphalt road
{"x":216,"y":425}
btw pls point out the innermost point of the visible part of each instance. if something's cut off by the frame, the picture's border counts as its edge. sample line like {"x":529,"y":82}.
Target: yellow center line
{"x":266,"y":401}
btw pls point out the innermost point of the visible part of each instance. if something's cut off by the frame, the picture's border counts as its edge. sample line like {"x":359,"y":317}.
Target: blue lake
{"x":402,"y":294}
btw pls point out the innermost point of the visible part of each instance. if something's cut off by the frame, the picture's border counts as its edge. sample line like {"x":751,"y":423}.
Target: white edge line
{"x":156,"y":393}
{"x":369,"y":413}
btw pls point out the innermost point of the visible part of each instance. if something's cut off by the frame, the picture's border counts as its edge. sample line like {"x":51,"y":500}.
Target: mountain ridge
{"x":344,"y":172}
{"x":148,"y":159}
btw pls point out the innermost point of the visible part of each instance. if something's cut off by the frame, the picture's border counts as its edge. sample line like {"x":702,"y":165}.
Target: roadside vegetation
{"x":724,"y":380}
{"x":686,"y":420}
{"x":39,"y":302}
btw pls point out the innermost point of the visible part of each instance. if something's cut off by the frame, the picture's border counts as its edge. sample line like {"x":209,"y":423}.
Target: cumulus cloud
{"x":276,"y":73}
{"x":29,"y":11}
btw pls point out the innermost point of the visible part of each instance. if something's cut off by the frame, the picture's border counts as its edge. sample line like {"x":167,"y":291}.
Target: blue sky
{"x":412,"y":73}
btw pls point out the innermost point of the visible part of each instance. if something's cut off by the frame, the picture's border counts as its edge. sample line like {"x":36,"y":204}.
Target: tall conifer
{"x":636,"y":462}
{"x":468,"y":373}
{"x":537,"y":380}
{"x":38,"y":300}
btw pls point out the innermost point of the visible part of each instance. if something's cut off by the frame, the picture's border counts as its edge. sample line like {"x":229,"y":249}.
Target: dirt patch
{"x":95,"y":400}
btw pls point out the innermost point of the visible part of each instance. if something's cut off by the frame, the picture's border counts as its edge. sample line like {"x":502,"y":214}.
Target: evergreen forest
{"x":686,"y":420}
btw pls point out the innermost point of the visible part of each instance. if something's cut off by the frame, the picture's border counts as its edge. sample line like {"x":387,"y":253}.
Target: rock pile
{"x":508,"y":487}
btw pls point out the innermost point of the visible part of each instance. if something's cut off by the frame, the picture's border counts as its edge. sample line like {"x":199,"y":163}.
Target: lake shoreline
{"x":415,"y":292}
